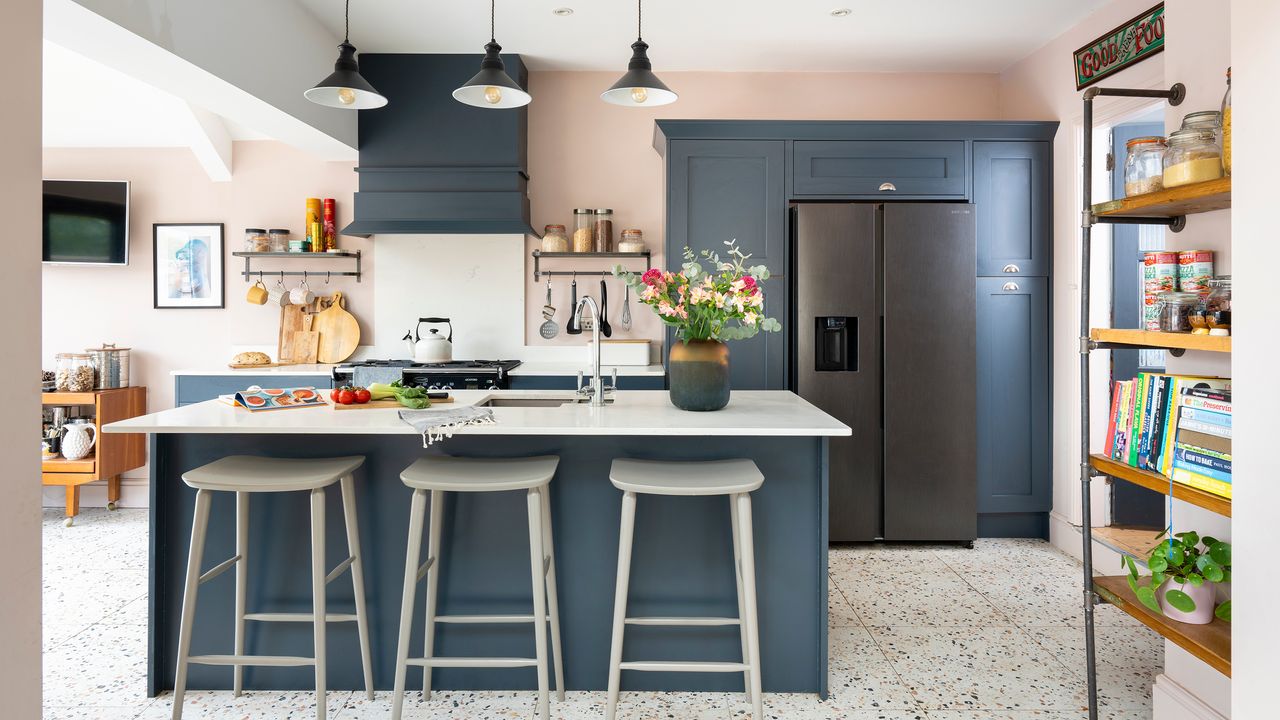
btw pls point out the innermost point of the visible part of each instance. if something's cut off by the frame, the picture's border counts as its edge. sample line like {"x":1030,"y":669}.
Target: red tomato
{"x":334,"y":394}
{"x":362,"y":395}
{"x":346,"y":397}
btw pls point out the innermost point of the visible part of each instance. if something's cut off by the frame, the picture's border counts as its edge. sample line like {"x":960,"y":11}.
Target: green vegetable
{"x":414,"y":398}
{"x":381,"y":391}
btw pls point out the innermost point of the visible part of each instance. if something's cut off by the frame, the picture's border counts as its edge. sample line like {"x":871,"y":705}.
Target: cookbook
{"x":255,"y":399}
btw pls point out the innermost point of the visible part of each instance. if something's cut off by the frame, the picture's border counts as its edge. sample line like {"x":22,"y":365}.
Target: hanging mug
{"x":302,"y":294}
{"x":278,"y":295}
{"x":258,"y":293}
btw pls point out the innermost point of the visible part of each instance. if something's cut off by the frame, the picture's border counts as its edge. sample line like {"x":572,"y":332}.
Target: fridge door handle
{"x":1010,"y":287}
{"x":888,"y":187}
{"x":1011,"y":268}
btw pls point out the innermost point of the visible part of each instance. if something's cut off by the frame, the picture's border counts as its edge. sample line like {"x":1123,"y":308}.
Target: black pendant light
{"x":345,"y":88}
{"x":639,"y":87}
{"x":492,"y":87}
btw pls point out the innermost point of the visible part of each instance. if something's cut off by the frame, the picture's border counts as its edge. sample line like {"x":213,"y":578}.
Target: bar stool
{"x":440,"y":475}
{"x":245,"y":475}
{"x":735,"y":478}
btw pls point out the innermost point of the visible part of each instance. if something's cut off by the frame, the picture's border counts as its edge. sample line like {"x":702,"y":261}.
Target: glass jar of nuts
{"x":73,"y":372}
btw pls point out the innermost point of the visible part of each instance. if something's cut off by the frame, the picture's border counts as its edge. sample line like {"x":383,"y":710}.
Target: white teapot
{"x":434,"y":347}
{"x":78,"y":439}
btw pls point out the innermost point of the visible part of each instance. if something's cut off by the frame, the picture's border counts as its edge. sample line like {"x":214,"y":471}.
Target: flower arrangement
{"x":709,"y":298}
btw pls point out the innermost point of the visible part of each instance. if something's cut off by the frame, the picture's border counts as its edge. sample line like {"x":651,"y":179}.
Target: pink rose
{"x":749,"y":284}
{"x":651,"y":277}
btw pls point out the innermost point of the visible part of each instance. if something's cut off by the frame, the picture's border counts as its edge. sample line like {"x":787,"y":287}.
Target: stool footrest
{"x":684,"y":666}
{"x":422,"y":569}
{"x":218,"y":569}
{"x":683,"y":621}
{"x":299,"y":617}
{"x":473,"y":662}
{"x":342,"y":566}
{"x":275,"y":660}
{"x":485,"y":619}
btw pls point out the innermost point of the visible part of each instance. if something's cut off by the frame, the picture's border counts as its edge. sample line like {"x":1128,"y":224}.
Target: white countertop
{"x":539,"y":368}
{"x":634,"y":412}
{"x":304,"y":369}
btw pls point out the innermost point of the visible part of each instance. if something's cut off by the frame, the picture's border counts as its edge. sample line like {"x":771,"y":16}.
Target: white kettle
{"x":78,"y":439}
{"x":434,"y":348}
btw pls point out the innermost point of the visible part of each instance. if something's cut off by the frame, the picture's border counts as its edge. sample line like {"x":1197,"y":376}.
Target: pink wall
{"x":586,"y":153}
{"x":86,"y":306}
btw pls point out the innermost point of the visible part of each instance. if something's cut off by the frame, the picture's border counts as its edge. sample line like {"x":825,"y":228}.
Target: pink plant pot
{"x":1203,"y":596}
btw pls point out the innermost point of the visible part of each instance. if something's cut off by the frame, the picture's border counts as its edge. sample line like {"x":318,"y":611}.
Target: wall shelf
{"x":249,"y":257}
{"x":1136,"y":543}
{"x":539,"y":256}
{"x":1174,"y":342}
{"x":1160,"y":483}
{"x":1211,"y":643}
{"x":1175,"y":202}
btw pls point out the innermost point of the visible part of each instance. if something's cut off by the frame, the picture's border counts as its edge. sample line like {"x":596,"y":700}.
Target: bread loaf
{"x":251,"y":358}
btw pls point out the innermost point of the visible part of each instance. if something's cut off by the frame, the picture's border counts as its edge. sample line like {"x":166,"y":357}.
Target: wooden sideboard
{"x":113,"y":454}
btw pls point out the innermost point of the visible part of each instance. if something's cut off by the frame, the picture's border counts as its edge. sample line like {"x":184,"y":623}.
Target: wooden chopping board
{"x":295,"y":319}
{"x":390,"y":404}
{"x":339,"y":332}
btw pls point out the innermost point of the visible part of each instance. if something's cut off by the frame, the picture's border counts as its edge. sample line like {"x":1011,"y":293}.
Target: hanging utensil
{"x":625,"y":320}
{"x":605,"y":328}
{"x":572,"y":327}
{"x":548,"y":329}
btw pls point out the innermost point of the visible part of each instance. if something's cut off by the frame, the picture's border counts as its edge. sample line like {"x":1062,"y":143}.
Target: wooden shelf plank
{"x":68,"y":398}
{"x":1137,"y":543}
{"x":63,"y":465}
{"x":1168,"y":341}
{"x":1182,"y":200}
{"x":1211,"y":643}
{"x":1160,"y":483}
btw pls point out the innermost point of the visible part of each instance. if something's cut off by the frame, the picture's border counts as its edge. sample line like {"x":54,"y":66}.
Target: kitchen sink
{"x":527,"y":402}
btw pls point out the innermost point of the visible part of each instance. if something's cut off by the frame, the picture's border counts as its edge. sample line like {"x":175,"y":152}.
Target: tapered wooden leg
{"x":742,"y":613}
{"x":242,"y":583}
{"x":412,"y":550}
{"x":553,"y":603}
{"x":195,"y":556}
{"x":357,"y":579}
{"x":113,"y":491}
{"x":433,"y":585}
{"x":73,"y":500}
{"x":747,"y":544}
{"x":620,"y":602}
{"x":536,"y":567}
{"x":318,"y":605}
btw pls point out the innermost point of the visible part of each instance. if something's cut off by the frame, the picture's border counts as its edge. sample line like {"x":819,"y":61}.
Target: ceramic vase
{"x":1203,"y":596}
{"x":699,"y":375}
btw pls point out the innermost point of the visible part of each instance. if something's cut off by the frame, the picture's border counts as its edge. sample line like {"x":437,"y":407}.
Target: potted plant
{"x":1185,"y":568}
{"x":708,"y":302}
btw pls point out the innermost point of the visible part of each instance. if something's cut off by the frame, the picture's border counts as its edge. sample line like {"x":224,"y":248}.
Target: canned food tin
{"x":1195,"y":268}
{"x":1151,"y":312}
{"x":1159,"y":271}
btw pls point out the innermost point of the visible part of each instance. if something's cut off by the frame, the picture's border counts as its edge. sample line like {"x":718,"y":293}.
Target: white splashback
{"x":475,"y":280}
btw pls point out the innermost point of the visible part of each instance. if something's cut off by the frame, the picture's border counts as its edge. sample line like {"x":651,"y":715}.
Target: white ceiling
{"x":725,"y":35}
{"x":87,"y":104}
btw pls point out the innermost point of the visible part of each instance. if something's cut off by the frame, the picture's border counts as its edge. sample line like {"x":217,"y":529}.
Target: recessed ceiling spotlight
{"x":841,"y":12}
{"x":563,"y":11}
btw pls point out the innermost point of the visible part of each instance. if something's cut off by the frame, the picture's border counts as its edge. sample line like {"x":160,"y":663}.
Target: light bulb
{"x":639,"y":94}
{"x":346,"y":96}
{"x":492,"y":95}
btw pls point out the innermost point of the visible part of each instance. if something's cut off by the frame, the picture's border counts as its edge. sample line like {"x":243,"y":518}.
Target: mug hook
{"x":327,"y":275}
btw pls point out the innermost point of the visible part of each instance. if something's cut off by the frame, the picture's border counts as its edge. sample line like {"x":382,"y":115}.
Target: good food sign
{"x":1132,"y":42}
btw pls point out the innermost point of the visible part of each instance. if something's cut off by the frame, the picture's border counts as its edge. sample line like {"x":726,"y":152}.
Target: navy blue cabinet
{"x":190,"y":389}
{"x":880,"y":169}
{"x":1014,"y":473}
{"x":1013,"y":192}
{"x":720,"y":190}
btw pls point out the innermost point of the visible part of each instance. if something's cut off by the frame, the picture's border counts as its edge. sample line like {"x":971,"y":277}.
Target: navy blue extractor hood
{"x":432,"y":165}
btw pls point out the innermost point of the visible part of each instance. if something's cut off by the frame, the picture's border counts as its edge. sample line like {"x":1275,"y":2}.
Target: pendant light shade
{"x":345,"y":88}
{"x":639,"y":87}
{"x":492,"y":87}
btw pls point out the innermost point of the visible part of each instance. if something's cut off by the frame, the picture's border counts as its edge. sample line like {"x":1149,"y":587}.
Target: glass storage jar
{"x":603,"y":230}
{"x":1217,"y":304}
{"x":1175,"y":310}
{"x":1144,"y":165}
{"x":554,"y":239}
{"x":1193,"y":156}
{"x":278,"y":239}
{"x":256,"y":240}
{"x":1204,"y":120}
{"x":1226,"y":126}
{"x":73,"y":372}
{"x":584,"y":230}
{"x":632,"y":241}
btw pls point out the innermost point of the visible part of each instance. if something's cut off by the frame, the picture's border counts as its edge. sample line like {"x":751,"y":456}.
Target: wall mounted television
{"x":86,"y":222}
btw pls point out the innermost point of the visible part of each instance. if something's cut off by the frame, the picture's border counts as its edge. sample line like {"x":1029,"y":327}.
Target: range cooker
{"x":453,"y":375}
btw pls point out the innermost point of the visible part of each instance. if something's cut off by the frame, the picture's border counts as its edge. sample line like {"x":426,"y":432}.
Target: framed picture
{"x":188,"y":265}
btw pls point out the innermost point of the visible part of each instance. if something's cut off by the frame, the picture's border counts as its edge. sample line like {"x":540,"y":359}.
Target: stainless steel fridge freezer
{"x":883,"y":332}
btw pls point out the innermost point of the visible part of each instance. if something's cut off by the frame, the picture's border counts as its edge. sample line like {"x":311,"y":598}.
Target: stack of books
{"x":1176,"y":425}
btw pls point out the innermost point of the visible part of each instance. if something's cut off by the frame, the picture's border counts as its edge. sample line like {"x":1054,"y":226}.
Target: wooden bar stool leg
{"x":537,"y":570}
{"x":620,"y":602}
{"x":742,"y":612}
{"x":413,"y":549}
{"x":553,"y":603}
{"x":357,"y":578}
{"x":195,"y":556}
{"x":319,"y":609}
{"x":747,"y":542}
{"x":242,"y":584}
{"x":433,"y":585}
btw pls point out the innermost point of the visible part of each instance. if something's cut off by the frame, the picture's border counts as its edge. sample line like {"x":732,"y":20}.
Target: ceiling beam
{"x":211,"y":143}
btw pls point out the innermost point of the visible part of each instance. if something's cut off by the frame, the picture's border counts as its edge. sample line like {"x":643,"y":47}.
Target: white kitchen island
{"x":681,"y":563}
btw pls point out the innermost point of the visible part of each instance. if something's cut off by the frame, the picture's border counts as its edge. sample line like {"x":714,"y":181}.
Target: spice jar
{"x":603,"y":233}
{"x":256,"y":240}
{"x":73,"y":372}
{"x":1226,"y":126}
{"x":1175,"y":309}
{"x":1144,"y":165}
{"x":554,"y":239}
{"x":632,"y":241}
{"x":1217,"y":305}
{"x":1193,"y":156}
{"x":278,"y":239}
{"x":584,"y":230}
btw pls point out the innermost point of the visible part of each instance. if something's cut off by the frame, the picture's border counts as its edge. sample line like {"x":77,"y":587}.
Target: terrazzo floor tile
{"x":995,"y":668}
{"x":54,"y":634}
{"x":1007,"y":555}
{"x":931,"y":598}
{"x":805,"y":706}
{"x":104,"y":665}
{"x":445,"y":705}
{"x":1129,"y":659}
{"x":92,"y":712}
{"x":676,"y":706}
{"x":1043,"y":599}
{"x":870,"y":685}
{"x":1035,"y":715}
{"x":851,"y":646}
{"x":839,"y":612}
{"x":91,"y":597}
{"x":222,"y":705}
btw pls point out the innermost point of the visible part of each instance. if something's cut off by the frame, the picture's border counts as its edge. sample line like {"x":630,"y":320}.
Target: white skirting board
{"x":134,"y":493}
{"x":1171,"y":701}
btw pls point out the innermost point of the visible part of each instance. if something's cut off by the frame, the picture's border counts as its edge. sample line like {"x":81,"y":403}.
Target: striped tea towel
{"x":440,"y":424}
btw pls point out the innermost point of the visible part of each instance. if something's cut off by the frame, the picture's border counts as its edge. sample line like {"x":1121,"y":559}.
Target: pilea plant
{"x":1185,"y":558}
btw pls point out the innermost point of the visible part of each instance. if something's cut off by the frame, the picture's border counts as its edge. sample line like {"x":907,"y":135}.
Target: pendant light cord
{"x":639,"y":19}
{"x":493,"y":35}
{"x":346,"y":29}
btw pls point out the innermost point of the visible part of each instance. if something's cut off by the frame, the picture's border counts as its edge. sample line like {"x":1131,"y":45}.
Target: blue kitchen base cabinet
{"x":190,"y":389}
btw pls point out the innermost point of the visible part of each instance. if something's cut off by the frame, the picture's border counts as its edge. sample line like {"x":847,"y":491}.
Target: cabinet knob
{"x":887,"y":187}
{"x":1011,"y":268}
{"x":1010,"y":287}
